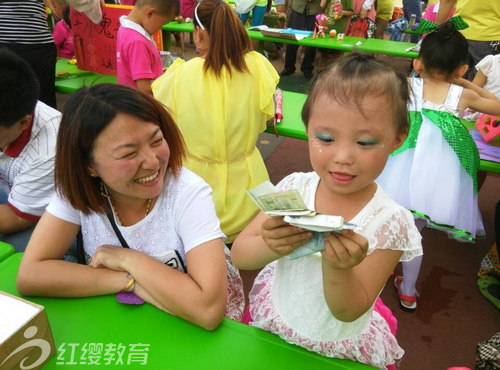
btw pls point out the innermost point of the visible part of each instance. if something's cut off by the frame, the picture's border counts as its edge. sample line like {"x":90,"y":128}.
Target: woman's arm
{"x":43,"y":272}
{"x":351,"y":281}
{"x":265,"y":240}
{"x":198,"y":296}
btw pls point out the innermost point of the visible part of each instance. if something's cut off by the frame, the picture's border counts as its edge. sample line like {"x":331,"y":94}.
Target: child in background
{"x":63,"y":37}
{"x":434,"y":174}
{"x":431,"y":13}
{"x":488,"y":74}
{"x":340,"y":25}
{"x":355,"y":117}
{"x":258,"y":13}
{"x":487,"y":77}
{"x":138,"y":60}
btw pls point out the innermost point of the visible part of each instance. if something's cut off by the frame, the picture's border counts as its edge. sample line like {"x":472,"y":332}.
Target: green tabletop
{"x":292,"y":125}
{"x":6,"y":250}
{"x":171,"y":342}
{"x":388,"y":47}
{"x":70,"y":85}
{"x":175,"y":26}
{"x":328,"y":42}
{"x":66,"y":70}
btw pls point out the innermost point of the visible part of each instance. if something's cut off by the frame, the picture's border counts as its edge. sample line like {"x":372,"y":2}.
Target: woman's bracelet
{"x":130,"y":285}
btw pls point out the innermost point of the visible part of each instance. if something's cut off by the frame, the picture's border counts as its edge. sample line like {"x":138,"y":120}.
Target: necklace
{"x":148,"y":207}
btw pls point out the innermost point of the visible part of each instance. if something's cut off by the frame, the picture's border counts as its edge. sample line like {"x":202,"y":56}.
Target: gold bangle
{"x":130,"y":283}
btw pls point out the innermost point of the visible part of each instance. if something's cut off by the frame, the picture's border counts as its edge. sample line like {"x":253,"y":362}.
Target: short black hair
{"x":19,"y":88}
{"x":164,"y":7}
{"x":444,"y":50}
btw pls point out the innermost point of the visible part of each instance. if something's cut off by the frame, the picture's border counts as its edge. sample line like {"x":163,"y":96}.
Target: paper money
{"x":278,"y":203}
{"x":321,"y":223}
{"x":291,"y":205}
{"x":316,"y":244}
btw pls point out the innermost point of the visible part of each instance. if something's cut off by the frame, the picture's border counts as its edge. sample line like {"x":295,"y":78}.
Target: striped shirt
{"x":27,"y":170}
{"x":24,"y":22}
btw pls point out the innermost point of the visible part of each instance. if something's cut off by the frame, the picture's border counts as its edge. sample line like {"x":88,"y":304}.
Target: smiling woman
{"x":148,"y":226}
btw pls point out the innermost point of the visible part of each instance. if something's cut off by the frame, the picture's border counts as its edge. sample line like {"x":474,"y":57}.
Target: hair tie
{"x":427,"y":26}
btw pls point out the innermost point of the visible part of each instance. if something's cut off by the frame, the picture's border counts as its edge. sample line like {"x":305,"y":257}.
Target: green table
{"x":6,"y":250}
{"x":70,"y":85}
{"x":292,"y":125}
{"x":65,"y":70}
{"x":388,"y":47}
{"x":328,"y":42}
{"x":172,"y":343}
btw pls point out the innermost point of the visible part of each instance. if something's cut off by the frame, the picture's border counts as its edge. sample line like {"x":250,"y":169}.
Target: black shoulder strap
{"x":80,"y":252}
{"x":117,"y":231}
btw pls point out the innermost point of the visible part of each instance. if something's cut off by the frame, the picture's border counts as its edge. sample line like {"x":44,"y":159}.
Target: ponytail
{"x":229,"y":41}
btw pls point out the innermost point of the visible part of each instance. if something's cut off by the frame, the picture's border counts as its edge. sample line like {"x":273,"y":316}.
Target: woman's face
{"x":131,"y":157}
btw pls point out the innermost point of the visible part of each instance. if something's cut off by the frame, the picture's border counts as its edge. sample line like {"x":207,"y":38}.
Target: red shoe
{"x":408,"y":298}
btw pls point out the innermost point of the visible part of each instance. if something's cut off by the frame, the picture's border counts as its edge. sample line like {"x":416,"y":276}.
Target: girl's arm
{"x":322,"y":4}
{"x":477,"y":98}
{"x":265,"y":240}
{"x":198,"y":296}
{"x":352,"y":280}
{"x":480,"y":79}
{"x":43,"y":272}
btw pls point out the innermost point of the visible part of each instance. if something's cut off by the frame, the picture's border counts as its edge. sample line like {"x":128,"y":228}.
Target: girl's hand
{"x":114,"y":258}
{"x":363,"y":13}
{"x":283,"y":238}
{"x":344,"y":250}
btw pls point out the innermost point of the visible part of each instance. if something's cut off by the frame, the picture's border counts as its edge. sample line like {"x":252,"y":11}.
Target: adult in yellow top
{"x":221,"y":101}
{"x":483,"y":34}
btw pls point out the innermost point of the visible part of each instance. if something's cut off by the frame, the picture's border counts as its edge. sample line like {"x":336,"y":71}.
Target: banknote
{"x":316,"y":244}
{"x":278,"y":203}
{"x":320,"y":223}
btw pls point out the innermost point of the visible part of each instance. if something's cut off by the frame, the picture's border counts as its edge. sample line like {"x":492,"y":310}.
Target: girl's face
{"x":131,"y":157}
{"x":348,"y":150}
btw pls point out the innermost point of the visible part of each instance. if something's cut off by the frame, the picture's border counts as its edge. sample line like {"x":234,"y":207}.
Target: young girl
{"x":138,"y":62}
{"x":434,"y":173}
{"x":148,"y":226}
{"x":488,"y":74}
{"x":63,"y":37}
{"x":355,"y":117}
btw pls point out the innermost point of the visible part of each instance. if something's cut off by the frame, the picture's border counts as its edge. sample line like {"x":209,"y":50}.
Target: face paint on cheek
{"x":315,"y":144}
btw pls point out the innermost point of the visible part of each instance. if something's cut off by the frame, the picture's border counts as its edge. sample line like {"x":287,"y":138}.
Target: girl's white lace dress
{"x":287,"y":297}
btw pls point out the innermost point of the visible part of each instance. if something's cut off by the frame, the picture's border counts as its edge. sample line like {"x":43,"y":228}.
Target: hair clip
{"x":427,"y":26}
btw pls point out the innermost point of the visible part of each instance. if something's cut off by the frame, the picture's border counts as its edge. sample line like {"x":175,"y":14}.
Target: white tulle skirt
{"x":430,"y":181}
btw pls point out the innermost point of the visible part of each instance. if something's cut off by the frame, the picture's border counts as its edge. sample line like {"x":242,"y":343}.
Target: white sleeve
{"x":486,"y":64}
{"x":195,"y":218}
{"x":367,"y":4}
{"x":60,"y":208}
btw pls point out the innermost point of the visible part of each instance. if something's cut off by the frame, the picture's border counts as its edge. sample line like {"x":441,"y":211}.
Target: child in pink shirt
{"x":138,"y":60}
{"x":63,"y":37}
